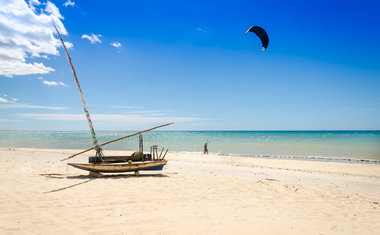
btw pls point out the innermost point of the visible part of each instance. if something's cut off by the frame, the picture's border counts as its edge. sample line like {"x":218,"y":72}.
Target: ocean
{"x":340,"y":144}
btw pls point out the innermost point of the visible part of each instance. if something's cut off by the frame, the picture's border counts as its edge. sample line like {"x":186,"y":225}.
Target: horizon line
{"x":202,"y":130}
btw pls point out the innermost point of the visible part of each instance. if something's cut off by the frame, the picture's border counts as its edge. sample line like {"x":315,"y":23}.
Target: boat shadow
{"x":116,"y":176}
{"x":70,"y":186}
{"x":91,"y":178}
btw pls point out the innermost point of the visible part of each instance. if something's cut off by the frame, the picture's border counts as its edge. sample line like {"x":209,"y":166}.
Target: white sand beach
{"x":194,"y":194}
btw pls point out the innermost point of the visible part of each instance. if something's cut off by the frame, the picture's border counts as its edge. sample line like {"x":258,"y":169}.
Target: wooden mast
{"x":97,"y":147}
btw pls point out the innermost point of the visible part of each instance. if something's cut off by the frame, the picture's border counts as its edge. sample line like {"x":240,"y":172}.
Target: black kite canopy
{"x":260,"y":32}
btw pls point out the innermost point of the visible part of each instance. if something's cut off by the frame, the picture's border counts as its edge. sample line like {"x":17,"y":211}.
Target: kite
{"x":260,"y":32}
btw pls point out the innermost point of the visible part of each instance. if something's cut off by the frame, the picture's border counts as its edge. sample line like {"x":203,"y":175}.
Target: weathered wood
{"x":115,"y":159}
{"x":121,"y":167}
{"x":141,"y":144}
{"x":161,"y":153}
{"x":165,"y":154}
{"x":154,"y":152}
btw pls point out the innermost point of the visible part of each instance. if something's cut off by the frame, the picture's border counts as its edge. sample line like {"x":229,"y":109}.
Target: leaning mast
{"x":97,"y":147}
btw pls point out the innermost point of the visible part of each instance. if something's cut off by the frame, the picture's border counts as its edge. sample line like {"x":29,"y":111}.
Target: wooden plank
{"x":165,"y":154}
{"x":114,"y":159}
{"x":161,"y":153}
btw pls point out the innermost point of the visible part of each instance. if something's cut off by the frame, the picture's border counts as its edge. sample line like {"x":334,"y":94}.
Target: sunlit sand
{"x":195,"y":193}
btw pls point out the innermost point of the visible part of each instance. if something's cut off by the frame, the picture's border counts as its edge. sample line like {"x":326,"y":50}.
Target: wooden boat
{"x":114,"y":164}
{"x":105,"y":167}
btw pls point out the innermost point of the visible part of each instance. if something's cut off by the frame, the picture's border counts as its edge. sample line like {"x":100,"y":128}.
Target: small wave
{"x":358,"y":159}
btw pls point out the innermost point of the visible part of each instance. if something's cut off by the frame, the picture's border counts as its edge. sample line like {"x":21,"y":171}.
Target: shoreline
{"x":317,"y":158}
{"x":357,"y":159}
{"x":294,"y":164}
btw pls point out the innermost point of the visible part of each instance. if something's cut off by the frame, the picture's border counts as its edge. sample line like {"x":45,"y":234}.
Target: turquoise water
{"x":299,"y":143}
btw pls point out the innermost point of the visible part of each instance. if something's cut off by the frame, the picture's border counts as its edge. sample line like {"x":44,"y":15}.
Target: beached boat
{"x":105,"y":167}
{"x":114,"y":164}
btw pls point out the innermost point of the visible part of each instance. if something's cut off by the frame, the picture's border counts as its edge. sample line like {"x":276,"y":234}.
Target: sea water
{"x":357,"y":144}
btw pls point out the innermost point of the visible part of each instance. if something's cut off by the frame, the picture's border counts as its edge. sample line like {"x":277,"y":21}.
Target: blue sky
{"x":191,"y":63}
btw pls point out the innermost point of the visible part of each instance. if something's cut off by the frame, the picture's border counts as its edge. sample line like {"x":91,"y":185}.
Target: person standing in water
{"x":205,"y":150}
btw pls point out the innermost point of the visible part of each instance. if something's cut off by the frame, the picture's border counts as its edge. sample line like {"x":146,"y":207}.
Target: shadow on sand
{"x":91,"y":178}
{"x":116,"y":176}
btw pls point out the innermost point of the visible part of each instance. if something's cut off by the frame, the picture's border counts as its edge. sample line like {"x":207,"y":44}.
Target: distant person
{"x":205,"y":150}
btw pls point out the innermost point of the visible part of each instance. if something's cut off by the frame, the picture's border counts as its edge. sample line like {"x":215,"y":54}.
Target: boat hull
{"x":120,"y":167}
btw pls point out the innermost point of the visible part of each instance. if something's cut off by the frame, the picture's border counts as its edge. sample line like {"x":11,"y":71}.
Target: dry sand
{"x":194,"y":194}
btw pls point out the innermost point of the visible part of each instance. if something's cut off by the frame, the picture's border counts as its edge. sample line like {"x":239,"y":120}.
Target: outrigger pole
{"x":97,"y":147}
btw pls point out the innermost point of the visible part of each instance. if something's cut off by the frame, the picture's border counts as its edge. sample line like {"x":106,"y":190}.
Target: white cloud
{"x":69,"y":3}
{"x":52,"y":83}
{"x":123,"y":107}
{"x":93,"y":38}
{"x":28,"y":106}
{"x":109,"y":121}
{"x":7,"y":120}
{"x":110,"y":118}
{"x":33,"y":3}
{"x":116,"y":44}
{"x":149,"y":112}
{"x":68,"y":45}
{"x":11,"y":67}
{"x":53,"y":10}
{"x":7,"y":101}
{"x":26,"y":33}
{"x":63,"y":84}
{"x":141,"y":112}
{"x":3,"y":100}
